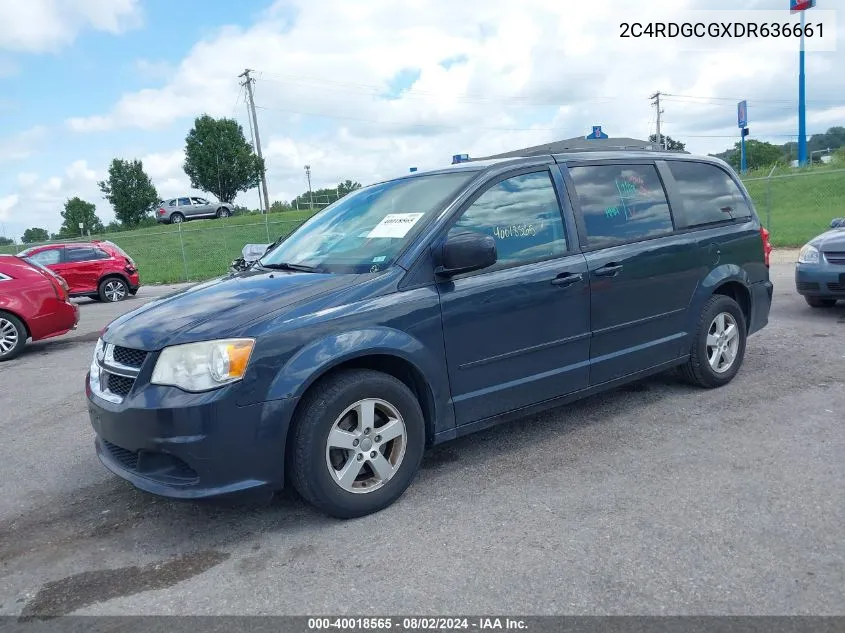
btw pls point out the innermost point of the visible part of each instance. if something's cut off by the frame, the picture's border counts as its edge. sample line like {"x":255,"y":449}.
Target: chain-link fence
{"x":191,"y":251}
{"x":795,"y":206}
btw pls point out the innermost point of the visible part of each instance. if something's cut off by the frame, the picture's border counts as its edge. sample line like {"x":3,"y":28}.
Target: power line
{"x":404,"y":124}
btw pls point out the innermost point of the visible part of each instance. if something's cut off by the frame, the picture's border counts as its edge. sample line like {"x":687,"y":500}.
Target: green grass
{"x":209,"y":245}
{"x":795,"y":205}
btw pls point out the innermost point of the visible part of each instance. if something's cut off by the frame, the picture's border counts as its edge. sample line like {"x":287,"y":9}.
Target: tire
{"x":335,"y":405}
{"x":223,"y":212}
{"x":13,"y":336}
{"x":113,"y":289}
{"x":820,"y":302}
{"x":699,"y":369}
{"x":177,"y":218}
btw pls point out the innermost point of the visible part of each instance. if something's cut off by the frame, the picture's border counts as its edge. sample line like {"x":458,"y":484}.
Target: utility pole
{"x":248,"y":81}
{"x":310,"y":193}
{"x":655,"y":100}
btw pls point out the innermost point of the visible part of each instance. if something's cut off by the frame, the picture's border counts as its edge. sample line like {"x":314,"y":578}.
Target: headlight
{"x":203,"y":366}
{"x":808,"y":255}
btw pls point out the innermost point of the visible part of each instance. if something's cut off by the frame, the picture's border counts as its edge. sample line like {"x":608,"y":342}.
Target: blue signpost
{"x":742,"y":123}
{"x":801,"y":6}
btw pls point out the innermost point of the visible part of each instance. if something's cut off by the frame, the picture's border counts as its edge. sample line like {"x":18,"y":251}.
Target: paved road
{"x":654,"y":499}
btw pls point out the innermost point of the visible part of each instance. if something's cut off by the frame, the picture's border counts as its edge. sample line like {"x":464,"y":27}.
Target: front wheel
{"x":356,"y":443}
{"x":719,"y":344}
{"x":820,"y":302}
{"x":113,"y":289}
{"x":12,"y":336}
{"x":223,"y":212}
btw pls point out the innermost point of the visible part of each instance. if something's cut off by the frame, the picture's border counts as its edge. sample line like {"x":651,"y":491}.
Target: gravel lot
{"x":653,"y":499}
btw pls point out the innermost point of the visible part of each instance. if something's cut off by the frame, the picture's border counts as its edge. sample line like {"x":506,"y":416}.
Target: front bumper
{"x":820,"y":280}
{"x":175,"y":444}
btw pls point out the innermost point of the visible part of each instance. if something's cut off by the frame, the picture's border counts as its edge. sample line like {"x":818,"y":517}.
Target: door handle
{"x":609,"y":270}
{"x":564,"y":280}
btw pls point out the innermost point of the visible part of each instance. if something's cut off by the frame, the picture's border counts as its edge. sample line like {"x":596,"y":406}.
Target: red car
{"x":34,"y":303}
{"x":100,"y":270}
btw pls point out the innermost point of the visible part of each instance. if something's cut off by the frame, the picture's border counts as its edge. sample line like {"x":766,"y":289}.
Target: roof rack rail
{"x":617,"y":148}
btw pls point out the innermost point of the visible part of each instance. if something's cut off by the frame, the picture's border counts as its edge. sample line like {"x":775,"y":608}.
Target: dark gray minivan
{"x":420,"y":309}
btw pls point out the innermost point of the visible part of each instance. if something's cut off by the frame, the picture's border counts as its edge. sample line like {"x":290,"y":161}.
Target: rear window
{"x":708,"y":193}
{"x":621,"y":203}
{"x":117,"y":249}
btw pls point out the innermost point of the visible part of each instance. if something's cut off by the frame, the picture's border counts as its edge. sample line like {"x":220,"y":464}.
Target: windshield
{"x":365,"y":230}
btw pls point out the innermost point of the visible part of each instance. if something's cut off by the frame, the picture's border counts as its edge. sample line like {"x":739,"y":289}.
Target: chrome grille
{"x":129,"y":357}
{"x":114,"y":370}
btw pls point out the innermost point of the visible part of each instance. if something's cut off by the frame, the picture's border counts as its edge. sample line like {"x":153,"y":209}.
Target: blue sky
{"x":358,"y":90}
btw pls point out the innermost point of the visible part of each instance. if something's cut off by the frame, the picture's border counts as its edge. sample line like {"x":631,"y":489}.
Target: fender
{"x":318,"y":357}
{"x":718,"y":276}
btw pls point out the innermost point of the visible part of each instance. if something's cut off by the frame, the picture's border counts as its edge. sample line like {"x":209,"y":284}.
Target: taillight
{"x":767,"y":246}
{"x":161,"y":211}
{"x":59,"y":287}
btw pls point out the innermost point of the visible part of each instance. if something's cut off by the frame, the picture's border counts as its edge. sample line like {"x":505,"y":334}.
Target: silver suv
{"x":178,"y":210}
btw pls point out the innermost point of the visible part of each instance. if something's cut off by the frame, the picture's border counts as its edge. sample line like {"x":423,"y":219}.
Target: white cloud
{"x":23,"y":144}
{"x":7,"y":203}
{"x":165,"y":170}
{"x":37,"y":26}
{"x":39,"y":201}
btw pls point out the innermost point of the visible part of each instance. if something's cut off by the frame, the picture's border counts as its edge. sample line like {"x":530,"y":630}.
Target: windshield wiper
{"x":300,"y":268}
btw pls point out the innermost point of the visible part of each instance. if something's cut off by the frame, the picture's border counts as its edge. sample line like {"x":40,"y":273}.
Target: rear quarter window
{"x":621,"y":203}
{"x":709,"y":195}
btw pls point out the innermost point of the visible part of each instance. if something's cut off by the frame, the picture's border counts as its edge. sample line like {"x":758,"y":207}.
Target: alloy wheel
{"x":9,"y":336}
{"x":115,"y":290}
{"x":366,"y":445}
{"x":722,"y":342}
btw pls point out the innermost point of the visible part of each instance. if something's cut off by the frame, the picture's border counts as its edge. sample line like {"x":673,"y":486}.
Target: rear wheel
{"x":223,"y":212}
{"x":177,"y":218}
{"x":820,"y":302}
{"x":12,"y":336}
{"x":356,"y":443}
{"x":113,"y":289}
{"x":719,"y":344}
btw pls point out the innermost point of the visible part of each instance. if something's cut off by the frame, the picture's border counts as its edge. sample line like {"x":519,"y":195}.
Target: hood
{"x":832,"y":240}
{"x":218,"y":308}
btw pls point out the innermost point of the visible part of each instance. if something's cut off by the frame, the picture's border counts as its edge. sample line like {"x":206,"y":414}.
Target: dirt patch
{"x":65,"y":596}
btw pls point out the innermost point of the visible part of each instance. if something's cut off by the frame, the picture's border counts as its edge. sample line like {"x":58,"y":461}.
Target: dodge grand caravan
{"x":420,"y":309}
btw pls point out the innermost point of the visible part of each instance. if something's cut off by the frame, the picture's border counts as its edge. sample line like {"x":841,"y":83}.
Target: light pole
{"x":801,"y":6}
{"x":310,"y":193}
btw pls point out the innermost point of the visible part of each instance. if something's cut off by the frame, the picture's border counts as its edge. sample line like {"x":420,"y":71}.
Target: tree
{"x":219,"y":160}
{"x":280,"y":206}
{"x":347,"y":186}
{"x":671,"y":144}
{"x":6,"y":241}
{"x":35,"y":234}
{"x":758,"y":154}
{"x":129,"y":190}
{"x":76,"y":211}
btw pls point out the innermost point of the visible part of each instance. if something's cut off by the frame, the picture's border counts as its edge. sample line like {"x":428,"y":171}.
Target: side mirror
{"x":463,"y":253}
{"x":836,"y":223}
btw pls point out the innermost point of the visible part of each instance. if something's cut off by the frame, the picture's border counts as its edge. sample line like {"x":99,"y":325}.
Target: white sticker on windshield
{"x":379,"y":259}
{"x":395,"y":225}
